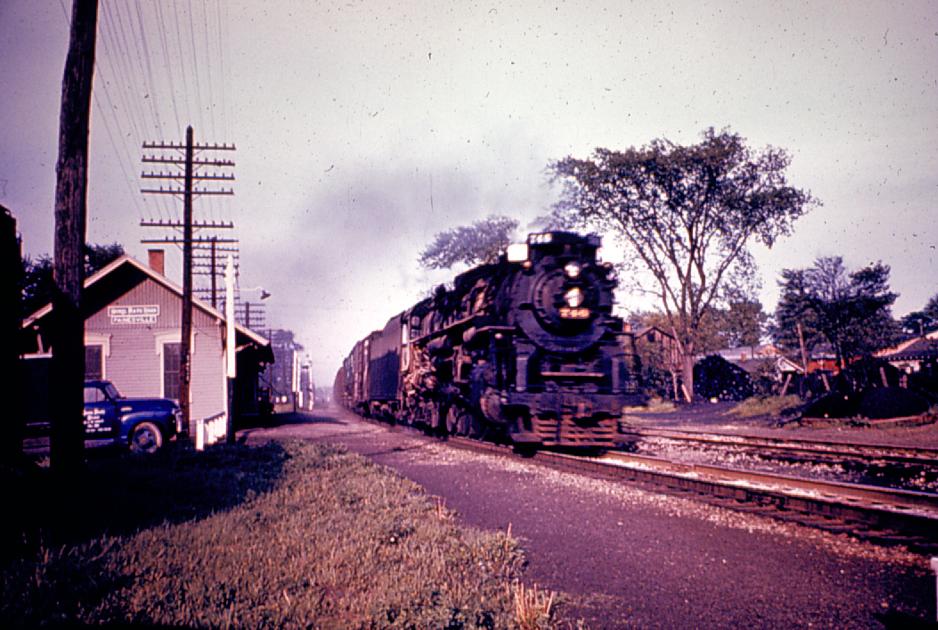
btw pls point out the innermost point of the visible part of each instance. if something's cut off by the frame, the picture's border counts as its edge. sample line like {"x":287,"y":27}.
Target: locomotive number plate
{"x":574,"y":313}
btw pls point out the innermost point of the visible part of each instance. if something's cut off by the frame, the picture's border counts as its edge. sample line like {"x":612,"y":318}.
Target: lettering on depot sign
{"x":134,"y":314}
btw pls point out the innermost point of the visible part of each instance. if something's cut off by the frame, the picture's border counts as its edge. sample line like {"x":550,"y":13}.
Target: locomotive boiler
{"x":526,"y":349}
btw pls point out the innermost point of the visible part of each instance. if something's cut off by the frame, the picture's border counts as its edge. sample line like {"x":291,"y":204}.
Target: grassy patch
{"x":298,"y":535}
{"x":767,"y":406}
{"x":655,"y":404}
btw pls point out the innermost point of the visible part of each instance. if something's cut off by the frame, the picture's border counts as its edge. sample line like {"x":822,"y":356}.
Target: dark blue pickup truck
{"x":142,"y":424}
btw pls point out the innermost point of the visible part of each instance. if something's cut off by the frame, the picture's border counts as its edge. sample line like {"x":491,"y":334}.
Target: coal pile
{"x":717,"y":378}
{"x":874,"y":404}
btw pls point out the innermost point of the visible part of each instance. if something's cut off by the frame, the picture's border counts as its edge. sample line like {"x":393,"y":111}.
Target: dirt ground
{"x":716,"y":417}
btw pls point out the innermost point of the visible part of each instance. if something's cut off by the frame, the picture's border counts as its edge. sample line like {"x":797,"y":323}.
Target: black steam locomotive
{"x":526,"y":348}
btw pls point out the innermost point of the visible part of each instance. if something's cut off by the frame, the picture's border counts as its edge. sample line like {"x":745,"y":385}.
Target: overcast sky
{"x":363,"y":128}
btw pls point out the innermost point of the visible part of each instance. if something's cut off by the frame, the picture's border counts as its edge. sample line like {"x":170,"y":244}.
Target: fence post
{"x":200,"y":434}
{"x":934,"y":567}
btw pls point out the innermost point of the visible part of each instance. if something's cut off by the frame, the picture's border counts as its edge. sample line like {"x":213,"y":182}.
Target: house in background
{"x":912,"y":354}
{"x":133,"y":338}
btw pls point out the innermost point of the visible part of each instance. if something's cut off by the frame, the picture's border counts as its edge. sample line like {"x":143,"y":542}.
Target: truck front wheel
{"x":145,"y":438}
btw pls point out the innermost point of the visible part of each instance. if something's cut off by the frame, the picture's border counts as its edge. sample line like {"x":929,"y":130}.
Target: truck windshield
{"x":111,"y":391}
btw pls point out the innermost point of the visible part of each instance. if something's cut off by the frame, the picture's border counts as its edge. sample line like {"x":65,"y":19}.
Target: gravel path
{"x":625,"y":557}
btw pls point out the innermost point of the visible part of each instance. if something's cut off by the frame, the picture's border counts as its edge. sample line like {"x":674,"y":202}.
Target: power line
{"x":169,"y":67}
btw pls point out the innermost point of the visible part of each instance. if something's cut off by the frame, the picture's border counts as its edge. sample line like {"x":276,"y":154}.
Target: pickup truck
{"x":142,"y":424}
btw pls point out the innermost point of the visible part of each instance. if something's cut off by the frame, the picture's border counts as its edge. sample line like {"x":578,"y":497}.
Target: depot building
{"x":133,"y":317}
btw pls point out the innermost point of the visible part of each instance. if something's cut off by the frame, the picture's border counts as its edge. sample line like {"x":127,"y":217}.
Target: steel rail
{"x":884,"y":452}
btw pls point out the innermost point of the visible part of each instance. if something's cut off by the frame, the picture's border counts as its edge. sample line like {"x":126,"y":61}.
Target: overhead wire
{"x":134,"y":117}
{"x":161,"y":28}
{"x":151,"y":84}
{"x":107,"y":115}
{"x":140,"y":71}
{"x":213,"y":204}
{"x":149,"y":122}
{"x":128,"y":69}
{"x":195,"y":66}
{"x":182,"y":65}
{"x":220,"y":33}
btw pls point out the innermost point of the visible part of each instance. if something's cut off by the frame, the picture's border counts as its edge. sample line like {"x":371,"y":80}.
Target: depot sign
{"x":134,"y":314}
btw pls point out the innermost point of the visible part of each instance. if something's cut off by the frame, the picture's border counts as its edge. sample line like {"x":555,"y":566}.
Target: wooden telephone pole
{"x":71,"y":170}
{"x":189,"y":177}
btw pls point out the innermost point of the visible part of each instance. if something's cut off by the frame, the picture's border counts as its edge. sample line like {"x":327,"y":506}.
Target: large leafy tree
{"x":480,"y":242}
{"x":38,"y":284}
{"x":849,"y":310}
{"x":688,"y":214}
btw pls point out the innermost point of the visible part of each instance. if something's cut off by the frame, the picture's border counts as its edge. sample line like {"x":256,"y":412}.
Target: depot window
{"x":94,"y":362}
{"x":171,"y":353}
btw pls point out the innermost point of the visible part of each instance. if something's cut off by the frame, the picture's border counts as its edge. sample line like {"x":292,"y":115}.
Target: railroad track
{"x":817,"y":449}
{"x":881,"y":515}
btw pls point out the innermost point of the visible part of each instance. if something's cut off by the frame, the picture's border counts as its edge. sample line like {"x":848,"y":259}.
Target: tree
{"x":687,"y":214}
{"x":931,"y":308}
{"x":480,"y":242}
{"x":742,"y":321}
{"x":923,"y":321}
{"x":38,"y":284}
{"x":796,"y":326}
{"x":849,"y":310}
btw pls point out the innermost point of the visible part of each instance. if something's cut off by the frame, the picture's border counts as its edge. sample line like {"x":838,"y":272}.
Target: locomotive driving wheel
{"x":468,"y":424}
{"x":452,"y":420}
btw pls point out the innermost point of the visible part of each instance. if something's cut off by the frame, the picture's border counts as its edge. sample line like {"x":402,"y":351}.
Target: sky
{"x":364,"y":128}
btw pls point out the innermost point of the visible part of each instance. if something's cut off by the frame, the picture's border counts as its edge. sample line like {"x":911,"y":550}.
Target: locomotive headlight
{"x":573,"y":297}
{"x":572,"y":269}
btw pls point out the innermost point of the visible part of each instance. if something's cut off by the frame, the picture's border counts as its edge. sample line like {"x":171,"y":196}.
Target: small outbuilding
{"x":913,"y":354}
{"x":133,"y":338}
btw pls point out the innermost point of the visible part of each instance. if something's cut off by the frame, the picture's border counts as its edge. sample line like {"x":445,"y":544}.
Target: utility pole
{"x":11,"y":282}
{"x":208,"y":265}
{"x":251,"y":314}
{"x":202,"y":264}
{"x":71,"y":170}
{"x":189,"y":177}
{"x":231,"y":358}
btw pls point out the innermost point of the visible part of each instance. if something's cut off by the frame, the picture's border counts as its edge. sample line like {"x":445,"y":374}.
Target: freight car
{"x":526,"y":348}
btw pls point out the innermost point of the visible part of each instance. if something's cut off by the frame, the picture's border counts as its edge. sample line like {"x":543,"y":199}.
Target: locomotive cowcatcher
{"x":526,"y":348}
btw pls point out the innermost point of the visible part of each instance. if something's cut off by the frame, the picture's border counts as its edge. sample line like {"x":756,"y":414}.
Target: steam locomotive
{"x":526,"y":349}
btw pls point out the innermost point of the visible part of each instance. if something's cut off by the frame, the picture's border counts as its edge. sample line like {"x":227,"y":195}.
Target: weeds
{"x":532,"y":609}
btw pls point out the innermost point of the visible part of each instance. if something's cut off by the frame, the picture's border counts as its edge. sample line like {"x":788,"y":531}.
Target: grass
{"x":765,"y":406}
{"x":283,"y":535}
{"x":655,"y":404}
